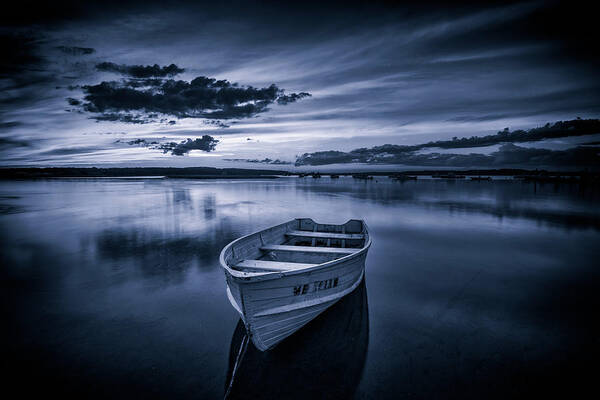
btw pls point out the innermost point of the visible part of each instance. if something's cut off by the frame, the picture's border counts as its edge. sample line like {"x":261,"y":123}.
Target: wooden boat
{"x":327,"y":354}
{"x":281,"y":278}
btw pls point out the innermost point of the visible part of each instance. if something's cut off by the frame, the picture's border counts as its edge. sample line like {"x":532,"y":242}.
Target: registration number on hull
{"x":315,"y":286}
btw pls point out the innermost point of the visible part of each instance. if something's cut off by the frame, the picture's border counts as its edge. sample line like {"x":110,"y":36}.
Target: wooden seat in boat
{"x":276,"y":266}
{"x":309,"y":249}
{"x":325,"y":235}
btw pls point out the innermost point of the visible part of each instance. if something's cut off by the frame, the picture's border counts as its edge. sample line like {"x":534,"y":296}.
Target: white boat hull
{"x":331,"y":349}
{"x":275,"y":305}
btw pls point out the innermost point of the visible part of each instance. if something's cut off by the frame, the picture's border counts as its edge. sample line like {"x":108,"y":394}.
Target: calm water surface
{"x":112,"y":288}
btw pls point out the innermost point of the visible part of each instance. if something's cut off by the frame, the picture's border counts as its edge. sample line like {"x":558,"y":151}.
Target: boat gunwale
{"x":246,"y":277}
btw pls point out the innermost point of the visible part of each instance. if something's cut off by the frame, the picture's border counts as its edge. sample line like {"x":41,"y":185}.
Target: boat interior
{"x":297,"y":244}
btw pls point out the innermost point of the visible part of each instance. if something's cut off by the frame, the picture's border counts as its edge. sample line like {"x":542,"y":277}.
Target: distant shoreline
{"x":139,"y":172}
{"x":239,"y":173}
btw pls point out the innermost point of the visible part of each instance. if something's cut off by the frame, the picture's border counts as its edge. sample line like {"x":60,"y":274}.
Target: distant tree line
{"x":24,"y":173}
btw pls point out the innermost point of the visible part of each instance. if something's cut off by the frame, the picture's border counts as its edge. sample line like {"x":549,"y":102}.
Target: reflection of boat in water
{"x":281,"y":278}
{"x":325,"y":359}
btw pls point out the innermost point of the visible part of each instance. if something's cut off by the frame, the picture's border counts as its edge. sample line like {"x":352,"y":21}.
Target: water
{"x":112,"y":288}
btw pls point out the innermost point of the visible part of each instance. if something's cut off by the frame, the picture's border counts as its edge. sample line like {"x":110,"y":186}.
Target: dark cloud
{"x":327,"y":157}
{"x":19,"y":52}
{"x":21,"y":69}
{"x":73,"y":102}
{"x":128,"y":118}
{"x":509,"y":155}
{"x":140,"y":71}
{"x":24,"y":78}
{"x":144,"y":82}
{"x":205,"y":143}
{"x":8,"y":125}
{"x":400,"y":154}
{"x":203,"y":97}
{"x":257,"y":161}
{"x":6,"y":143}
{"x":76,"y":51}
{"x":286,"y":99}
{"x":139,"y":142}
{"x":569,"y":25}
{"x":215,"y":123}
{"x":560,"y":129}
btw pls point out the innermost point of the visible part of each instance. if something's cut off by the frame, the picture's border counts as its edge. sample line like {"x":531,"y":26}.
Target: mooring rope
{"x":238,"y":360}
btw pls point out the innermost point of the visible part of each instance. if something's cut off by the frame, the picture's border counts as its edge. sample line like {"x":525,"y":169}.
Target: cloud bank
{"x":508,"y":154}
{"x":76,"y":51}
{"x":203,"y":97}
{"x":140,"y":71}
{"x":257,"y":161}
{"x":286,"y":99}
{"x":205,"y":143}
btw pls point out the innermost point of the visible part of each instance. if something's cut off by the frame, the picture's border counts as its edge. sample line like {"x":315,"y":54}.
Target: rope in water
{"x":238,"y":360}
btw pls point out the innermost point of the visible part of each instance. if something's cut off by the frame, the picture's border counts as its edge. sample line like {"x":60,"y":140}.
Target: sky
{"x":196,"y":84}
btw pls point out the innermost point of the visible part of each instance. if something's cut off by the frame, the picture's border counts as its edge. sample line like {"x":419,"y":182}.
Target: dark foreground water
{"x":112,"y":288}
